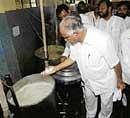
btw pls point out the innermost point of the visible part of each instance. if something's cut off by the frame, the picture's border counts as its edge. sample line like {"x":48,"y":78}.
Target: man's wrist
{"x":119,"y":80}
{"x":57,"y":68}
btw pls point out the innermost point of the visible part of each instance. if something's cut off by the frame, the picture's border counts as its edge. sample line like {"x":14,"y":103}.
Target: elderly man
{"x":97,"y":61}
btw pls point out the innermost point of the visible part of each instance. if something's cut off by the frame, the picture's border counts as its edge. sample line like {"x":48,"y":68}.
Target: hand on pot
{"x":48,"y":70}
{"x":63,"y":58}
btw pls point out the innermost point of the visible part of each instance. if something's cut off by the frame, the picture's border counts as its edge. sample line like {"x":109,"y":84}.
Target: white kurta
{"x":127,"y":21}
{"x":114,"y":26}
{"x":96,"y":57}
{"x":89,"y":19}
{"x":66,"y":52}
{"x":125,"y":55}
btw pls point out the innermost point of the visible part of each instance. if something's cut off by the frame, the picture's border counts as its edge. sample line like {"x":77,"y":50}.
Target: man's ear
{"x":110,"y":9}
{"x":76,"y":33}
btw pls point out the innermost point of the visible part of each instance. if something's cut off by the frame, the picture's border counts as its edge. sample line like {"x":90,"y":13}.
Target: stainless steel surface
{"x":68,"y":75}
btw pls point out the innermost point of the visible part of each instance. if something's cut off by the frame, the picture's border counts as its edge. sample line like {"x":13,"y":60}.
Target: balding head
{"x":71,"y":24}
{"x":71,"y":28}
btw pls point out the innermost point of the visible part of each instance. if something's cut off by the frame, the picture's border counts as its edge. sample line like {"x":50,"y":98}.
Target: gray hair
{"x":71,"y":24}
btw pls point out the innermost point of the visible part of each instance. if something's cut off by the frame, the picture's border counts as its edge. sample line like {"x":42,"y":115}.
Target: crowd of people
{"x":98,"y":41}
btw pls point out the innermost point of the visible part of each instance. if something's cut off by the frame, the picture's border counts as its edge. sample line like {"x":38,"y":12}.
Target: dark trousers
{"x":126,"y":110}
{"x":1,"y":112}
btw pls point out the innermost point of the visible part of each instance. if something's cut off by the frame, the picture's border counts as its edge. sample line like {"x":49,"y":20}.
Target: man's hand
{"x":63,"y":58}
{"x":53,"y":69}
{"x":120,"y":84}
{"x":49,"y":70}
{"x":118,"y":71}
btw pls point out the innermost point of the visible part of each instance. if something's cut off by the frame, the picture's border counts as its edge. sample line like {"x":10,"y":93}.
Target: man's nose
{"x":66,"y":39}
{"x":99,"y":10}
{"x":120,"y":11}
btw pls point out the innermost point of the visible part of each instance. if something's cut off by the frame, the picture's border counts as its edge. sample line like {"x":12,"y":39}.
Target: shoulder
{"x":117,"y":18}
{"x":98,"y":35}
{"x":90,"y":13}
{"x":82,"y":16}
{"x":118,"y":22}
{"x":127,"y":18}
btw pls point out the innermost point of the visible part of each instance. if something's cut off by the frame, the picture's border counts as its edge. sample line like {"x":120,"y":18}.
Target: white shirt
{"x":125,"y":57}
{"x":89,"y":19}
{"x":114,"y":26}
{"x":127,"y":21}
{"x":66,"y":52}
{"x":96,"y":58}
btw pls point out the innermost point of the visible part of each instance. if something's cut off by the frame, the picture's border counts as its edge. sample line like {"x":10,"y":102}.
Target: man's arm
{"x":118,"y":71}
{"x":53,"y":69}
{"x":66,"y":52}
{"x":64,"y":64}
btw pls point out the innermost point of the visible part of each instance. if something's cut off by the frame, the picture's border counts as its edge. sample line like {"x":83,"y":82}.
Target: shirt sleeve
{"x":66,"y":52}
{"x":72,"y":53}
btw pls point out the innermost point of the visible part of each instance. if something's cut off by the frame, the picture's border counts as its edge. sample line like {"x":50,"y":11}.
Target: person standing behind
{"x":114,"y":25}
{"x":125,"y":63}
{"x":82,"y":7}
{"x":122,"y":11}
{"x":61,"y":12}
{"x":98,"y":63}
{"x":91,"y":18}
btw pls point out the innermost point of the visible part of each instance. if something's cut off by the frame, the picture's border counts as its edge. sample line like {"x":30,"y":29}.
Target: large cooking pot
{"x":54,"y":53}
{"x":68,"y":84}
{"x":35,"y":96}
{"x":68,"y":76}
